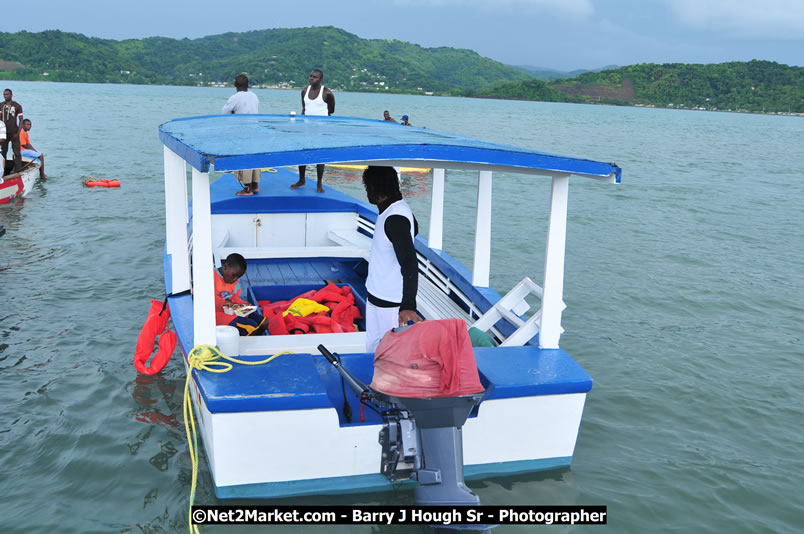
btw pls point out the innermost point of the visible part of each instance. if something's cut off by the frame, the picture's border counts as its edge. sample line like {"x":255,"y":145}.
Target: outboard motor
{"x":421,"y":440}
{"x":440,"y":473}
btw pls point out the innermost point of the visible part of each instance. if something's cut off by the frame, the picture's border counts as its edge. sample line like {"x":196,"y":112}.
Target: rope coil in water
{"x":205,"y":358}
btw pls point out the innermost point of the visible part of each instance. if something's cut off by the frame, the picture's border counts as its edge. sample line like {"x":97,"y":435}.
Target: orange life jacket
{"x":155,"y":324}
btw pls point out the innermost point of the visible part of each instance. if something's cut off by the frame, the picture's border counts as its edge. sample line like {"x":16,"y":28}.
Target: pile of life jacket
{"x":329,"y":310}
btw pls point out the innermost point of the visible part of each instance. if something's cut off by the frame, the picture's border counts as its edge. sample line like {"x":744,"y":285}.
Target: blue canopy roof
{"x":232,"y":142}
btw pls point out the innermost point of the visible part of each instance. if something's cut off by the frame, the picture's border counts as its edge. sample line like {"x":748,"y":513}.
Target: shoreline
{"x":434,"y":94}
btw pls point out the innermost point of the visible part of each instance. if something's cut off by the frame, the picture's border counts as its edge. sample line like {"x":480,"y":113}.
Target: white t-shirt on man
{"x":242,"y":102}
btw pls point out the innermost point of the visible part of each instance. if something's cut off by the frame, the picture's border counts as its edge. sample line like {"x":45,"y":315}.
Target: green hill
{"x":757,"y":86}
{"x":275,"y":57}
{"x":284,"y":58}
{"x":543,"y":73}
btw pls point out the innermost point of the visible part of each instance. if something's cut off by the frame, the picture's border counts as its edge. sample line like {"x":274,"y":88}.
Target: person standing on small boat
{"x":316,"y":100}
{"x":405,"y":121}
{"x":387,"y":116}
{"x":29,"y":150}
{"x":244,"y":101}
{"x":11,"y":113}
{"x":2,"y":140}
{"x":393,"y":273}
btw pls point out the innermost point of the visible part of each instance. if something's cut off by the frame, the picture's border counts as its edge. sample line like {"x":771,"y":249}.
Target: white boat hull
{"x":306,"y":452}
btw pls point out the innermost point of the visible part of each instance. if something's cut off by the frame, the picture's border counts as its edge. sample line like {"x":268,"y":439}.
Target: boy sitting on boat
{"x":230,"y":309}
{"x":29,"y":150}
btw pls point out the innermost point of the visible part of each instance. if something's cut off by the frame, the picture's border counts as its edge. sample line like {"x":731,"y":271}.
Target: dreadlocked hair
{"x":382,"y":181}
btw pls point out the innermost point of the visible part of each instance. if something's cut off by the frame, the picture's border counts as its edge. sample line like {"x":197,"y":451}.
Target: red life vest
{"x":340,"y":301}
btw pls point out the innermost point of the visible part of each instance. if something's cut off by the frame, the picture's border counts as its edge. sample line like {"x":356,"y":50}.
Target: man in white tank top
{"x":393,"y":273}
{"x":316,"y":100}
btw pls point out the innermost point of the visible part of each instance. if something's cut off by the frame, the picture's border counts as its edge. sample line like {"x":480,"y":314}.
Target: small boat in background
{"x":20,"y":183}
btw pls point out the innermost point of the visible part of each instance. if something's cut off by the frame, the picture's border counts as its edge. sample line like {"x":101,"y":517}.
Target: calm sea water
{"x":683,"y":286}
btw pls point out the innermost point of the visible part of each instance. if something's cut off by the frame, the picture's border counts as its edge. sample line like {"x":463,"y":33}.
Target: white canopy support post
{"x":482,"y":266}
{"x":553,"y":299}
{"x":436,"y":236}
{"x":176,"y":221}
{"x":203,"y":286}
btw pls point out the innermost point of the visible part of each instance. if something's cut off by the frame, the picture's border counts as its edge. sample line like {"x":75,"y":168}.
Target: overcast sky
{"x":558,"y":34}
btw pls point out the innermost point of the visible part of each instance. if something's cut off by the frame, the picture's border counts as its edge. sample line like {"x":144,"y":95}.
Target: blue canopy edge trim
{"x":233,"y":142}
{"x":191,"y":156}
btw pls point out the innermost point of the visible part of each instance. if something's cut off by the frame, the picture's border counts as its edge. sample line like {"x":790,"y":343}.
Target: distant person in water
{"x":316,"y":100}
{"x":387,"y":116}
{"x":405,"y":121}
{"x":11,"y":113}
{"x":244,"y":101}
{"x":29,"y":150}
{"x":227,"y":296}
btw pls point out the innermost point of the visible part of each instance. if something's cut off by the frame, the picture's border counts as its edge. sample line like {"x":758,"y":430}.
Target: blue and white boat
{"x":279,"y":429}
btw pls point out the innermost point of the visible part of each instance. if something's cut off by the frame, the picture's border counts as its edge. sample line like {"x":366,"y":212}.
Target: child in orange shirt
{"x":227,"y":293}
{"x":29,"y":150}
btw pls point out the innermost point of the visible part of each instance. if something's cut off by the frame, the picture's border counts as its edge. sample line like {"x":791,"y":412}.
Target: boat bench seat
{"x":528,"y":371}
{"x":256,"y":253}
{"x":288,"y":382}
{"x":306,"y":381}
{"x":351,"y":238}
{"x":432,"y":303}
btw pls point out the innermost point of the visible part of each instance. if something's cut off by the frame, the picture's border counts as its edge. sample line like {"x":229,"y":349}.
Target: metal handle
{"x":328,"y":355}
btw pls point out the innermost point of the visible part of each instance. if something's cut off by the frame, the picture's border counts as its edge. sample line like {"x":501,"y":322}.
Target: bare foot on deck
{"x":319,"y":189}
{"x":245,"y":192}
{"x":255,"y":190}
{"x":298,"y":184}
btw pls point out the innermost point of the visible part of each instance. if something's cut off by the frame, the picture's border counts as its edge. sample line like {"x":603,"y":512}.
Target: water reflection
{"x":159,"y":401}
{"x":148,"y":391}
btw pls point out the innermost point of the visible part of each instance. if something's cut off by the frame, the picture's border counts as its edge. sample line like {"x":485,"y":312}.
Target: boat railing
{"x":512,"y":308}
{"x":438,"y":297}
{"x":365,"y":225}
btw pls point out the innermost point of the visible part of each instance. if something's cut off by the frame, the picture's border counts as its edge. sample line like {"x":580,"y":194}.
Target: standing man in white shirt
{"x":393,"y":270}
{"x":316,"y":100}
{"x":244,"y":101}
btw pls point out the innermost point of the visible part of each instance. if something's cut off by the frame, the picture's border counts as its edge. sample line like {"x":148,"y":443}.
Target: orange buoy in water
{"x":101,"y":182}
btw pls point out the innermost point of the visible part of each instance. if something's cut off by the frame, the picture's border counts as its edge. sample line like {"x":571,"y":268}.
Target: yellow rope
{"x":205,"y":358}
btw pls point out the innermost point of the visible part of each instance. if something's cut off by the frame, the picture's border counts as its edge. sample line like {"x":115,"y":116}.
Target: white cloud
{"x":783,"y":19}
{"x":567,"y":8}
